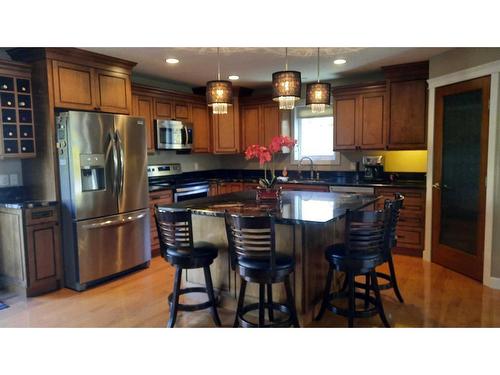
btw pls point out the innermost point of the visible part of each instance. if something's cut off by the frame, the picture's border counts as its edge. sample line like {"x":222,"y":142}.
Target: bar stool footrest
{"x":384,"y":276}
{"x":364,"y":313}
{"x":193,"y":307}
{"x":274,"y":324}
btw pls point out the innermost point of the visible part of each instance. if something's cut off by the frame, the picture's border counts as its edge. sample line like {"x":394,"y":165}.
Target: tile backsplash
{"x":11,"y":173}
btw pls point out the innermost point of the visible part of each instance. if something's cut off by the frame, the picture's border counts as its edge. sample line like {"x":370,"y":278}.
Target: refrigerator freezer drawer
{"x":112,"y":244}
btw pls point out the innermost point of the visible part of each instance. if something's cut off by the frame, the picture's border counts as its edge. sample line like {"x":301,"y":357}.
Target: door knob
{"x":436,"y":185}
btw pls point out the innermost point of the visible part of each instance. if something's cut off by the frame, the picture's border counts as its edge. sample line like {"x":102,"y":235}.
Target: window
{"x":314,"y":134}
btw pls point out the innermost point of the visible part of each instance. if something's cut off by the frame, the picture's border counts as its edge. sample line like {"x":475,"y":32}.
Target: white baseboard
{"x":492,"y":282}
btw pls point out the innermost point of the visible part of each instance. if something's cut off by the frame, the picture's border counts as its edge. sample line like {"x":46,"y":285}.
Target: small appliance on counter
{"x":163,"y":176}
{"x":173,"y":135}
{"x":373,"y":168}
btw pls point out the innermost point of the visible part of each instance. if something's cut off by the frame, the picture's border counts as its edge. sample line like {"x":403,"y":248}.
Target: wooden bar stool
{"x":365,"y":247}
{"x":175,"y":232}
{"x":395,"y":205}
{"x":253,"y":254}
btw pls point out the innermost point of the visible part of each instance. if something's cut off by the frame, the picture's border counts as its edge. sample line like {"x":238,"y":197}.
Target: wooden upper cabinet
{"x":201,"y":128}
{"x":73,"y":86}
{"x":373,"y":121}
{"x":345,"y":123}
{"x":408,"y":113}
{"x":250,"y":124}
{"x":259,"y":123}
{"x":163,"y":108}
{"x":271,"y":125}
{"x":142,"y":106}
{"x":182,"y":111}
{"x":86,"y":88}
{"x":226,"y":131}
{"x":113,"y":92}
{"x":360,"y":114}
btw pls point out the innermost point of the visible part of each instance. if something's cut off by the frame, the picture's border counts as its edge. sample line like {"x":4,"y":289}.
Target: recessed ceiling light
{"x":339,"y":61}
{"x":234,"y":77}
{"x":172,"y":61}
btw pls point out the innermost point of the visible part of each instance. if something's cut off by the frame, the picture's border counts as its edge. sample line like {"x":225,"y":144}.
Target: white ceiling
{"x":255,"y":65}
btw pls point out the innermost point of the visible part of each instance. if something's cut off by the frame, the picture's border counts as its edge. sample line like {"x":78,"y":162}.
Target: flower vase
{"x":268,"y":194}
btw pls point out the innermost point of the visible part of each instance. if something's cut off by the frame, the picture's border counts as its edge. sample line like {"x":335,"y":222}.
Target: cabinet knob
{"x":23,"y":148}
{"x":22,"y":104}
{"x":9,"y":103}
{"x":9,"y":149}
{"x":23,"y":88}
{"x":11,"y":134}
{"x":4,"y":87}
{"x":25,"y":134}
{"x":9,"y":118}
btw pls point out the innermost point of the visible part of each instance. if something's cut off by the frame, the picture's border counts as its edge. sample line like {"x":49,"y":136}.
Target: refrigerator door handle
{"x":122,"y":166}
{"x":112,"y":145}
{"x":112,"y":223}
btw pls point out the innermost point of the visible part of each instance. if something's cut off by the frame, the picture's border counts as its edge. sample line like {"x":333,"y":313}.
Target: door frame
{"x":451,"y":257}
{"x":492,"y":69}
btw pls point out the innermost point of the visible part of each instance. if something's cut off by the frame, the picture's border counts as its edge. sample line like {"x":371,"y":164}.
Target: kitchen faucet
{"x":311,"y":170}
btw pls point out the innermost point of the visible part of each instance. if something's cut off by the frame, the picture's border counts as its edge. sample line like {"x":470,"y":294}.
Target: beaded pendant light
{"x":219,"y":92}
{"x":318,"y":95}
{"x":286,"y":86}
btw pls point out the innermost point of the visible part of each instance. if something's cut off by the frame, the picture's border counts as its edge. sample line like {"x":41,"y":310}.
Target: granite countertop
{"x":296,"y":207}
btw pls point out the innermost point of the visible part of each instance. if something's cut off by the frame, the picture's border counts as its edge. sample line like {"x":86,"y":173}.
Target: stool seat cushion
{"x":355,"y":261}
{"x":283,"y":262}
{"x":200,"y":250}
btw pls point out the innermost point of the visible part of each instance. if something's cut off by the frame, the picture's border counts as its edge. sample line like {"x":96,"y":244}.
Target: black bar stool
{"x":395,"y":205}
{"x":175,"y":232}
{"x":253,"y":253}
{"x":366,"y":243}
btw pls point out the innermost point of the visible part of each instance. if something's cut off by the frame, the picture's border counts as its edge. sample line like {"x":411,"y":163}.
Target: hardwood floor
{"x":434,"y":297}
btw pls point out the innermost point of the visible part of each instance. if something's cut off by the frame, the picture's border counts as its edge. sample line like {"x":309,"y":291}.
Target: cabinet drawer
{"x":7,"y":100}
{"x":26,"y":131}
{"x":410,"y":237}
{"x":27,"y":146}
{"x":411,"y":219}
{"x":25,"y":117}
{"x":163,"y":198}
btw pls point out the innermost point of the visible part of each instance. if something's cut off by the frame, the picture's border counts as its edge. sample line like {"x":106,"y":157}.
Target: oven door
{"x":184,"y":194}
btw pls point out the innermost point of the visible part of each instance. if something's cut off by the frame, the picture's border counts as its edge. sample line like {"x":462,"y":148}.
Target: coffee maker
{"x":374,"y":168}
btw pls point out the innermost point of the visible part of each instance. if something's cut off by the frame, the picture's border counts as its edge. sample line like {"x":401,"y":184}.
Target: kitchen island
{"x":306,"y":222}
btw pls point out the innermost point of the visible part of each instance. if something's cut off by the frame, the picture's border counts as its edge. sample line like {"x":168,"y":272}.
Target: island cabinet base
{"x":305,"y":242}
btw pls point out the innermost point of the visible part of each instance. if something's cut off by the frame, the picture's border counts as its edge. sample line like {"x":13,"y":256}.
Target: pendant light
{"x":219,"y":92}
{"x":286,"y":86}
{"x":318,"y":95}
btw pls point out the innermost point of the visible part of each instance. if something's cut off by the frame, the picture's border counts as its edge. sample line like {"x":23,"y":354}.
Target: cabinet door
{"x":163,"y":109}
{"x":407,"y":127}
{"x":373,"y":120}
{"x":44,"y":257}
{"x":73,"y":86}
{"x":182,"y":111}
{"x":270,"y":121}
{"x":345,"y":123}
{"x":201,"y":129}
{"x":113,"y":92}
{"x":226,"y":131}
{"x":250,"y":125}
{"x":235,"y":187}
{"x":142,"y":106}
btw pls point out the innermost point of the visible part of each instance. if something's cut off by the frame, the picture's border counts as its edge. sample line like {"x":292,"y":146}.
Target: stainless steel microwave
{"x":173,"y":135}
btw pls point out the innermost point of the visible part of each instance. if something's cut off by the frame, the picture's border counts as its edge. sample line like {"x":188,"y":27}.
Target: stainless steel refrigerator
{"x":104,"y":193}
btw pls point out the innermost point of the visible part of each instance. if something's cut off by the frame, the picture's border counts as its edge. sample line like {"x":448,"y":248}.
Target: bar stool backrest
{"x":367,"y":231}
{"x":175,"y":230}
{"x":251,"y":237}
{"x":395,"y":205}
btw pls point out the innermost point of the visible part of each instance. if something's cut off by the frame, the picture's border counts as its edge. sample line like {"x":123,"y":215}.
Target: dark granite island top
{"x":296,"y":207}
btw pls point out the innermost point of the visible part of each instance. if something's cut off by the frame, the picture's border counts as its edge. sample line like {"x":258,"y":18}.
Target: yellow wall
{"x":403,"y":161}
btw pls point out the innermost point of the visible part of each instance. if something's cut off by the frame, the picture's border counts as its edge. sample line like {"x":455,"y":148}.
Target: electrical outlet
{"x":14,"y":180}
{"x":4,"y":180}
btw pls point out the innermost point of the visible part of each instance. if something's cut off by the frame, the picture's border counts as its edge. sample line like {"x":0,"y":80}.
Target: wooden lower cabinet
{"x":411,"y":226}
{"x":229,"y":187}
{"x":162,"y":197}
{"x":30,"y":250}
{"x":305,"y":187}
